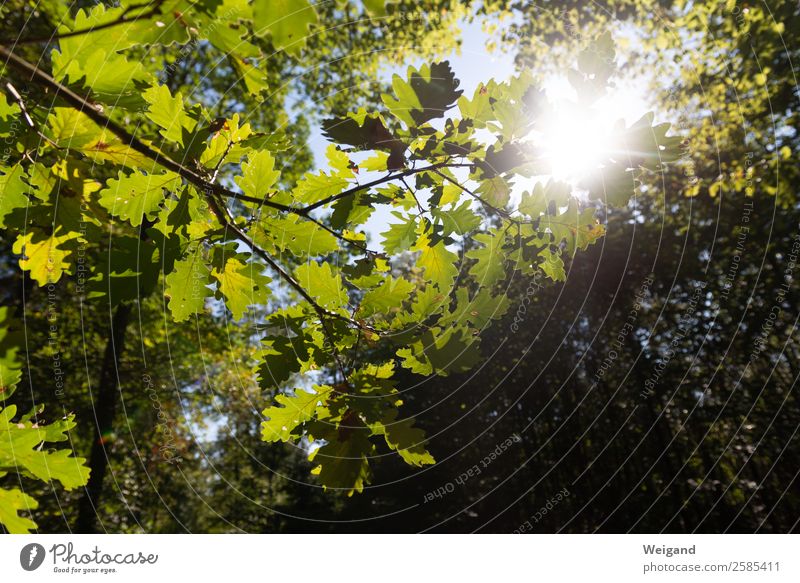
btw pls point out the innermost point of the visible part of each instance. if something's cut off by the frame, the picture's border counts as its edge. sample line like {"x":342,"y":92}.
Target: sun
{"x":574,"y":139}
{"x":574,"y":143}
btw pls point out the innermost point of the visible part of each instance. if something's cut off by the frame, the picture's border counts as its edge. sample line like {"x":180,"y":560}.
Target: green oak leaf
{"x":478,"y":310}
{"x":552,"y":265}
{"x":452,"y":351}
{"x":21,"y":448}
{"x":128,"y":272}
{"x":136,"y":31}
{"x":92,"y":59}
{"x":315,"y":187}
{"x":10,"y":365}
{"x":339,"y":162}
{"x":402,"y":437}
{"x":280,"y":358}
{"x":378,"y":162}
{"x":490,"y":259}
{"x":351,"y":211}
{"x":73,"y":129}
{"x":367,"y":132}
{"x":344,"y":464}
{"x":258,"y":174}
{"x":389,"y":295}
{"x":427,"y":302}
{"x":538,"y":201}
{"x":577,"y":228}
{"x":11,"y":502}
{"x":12,"y":191}
{"x":8,"y":112}
{"x":376,"y":8}
{"x":479,"y":108}
{"x":243,"y":285}
{"x":322,"y":284}
{"x":459,"y":220}
{"x":439,"y":264}
{"x":294,"y":411}
{"x":495,"y":191}
{"x":293,"y":235}
{"x":614,"y":184}
{"x":286,"y":21}
{"x":252,"y":75}
{"x":44,"y":255}
{"x":137,"y":195}
{"x":187,"y":285}
{"x":429,"y":92}
{"x":400,"y":236}
{"x":167,"y":112}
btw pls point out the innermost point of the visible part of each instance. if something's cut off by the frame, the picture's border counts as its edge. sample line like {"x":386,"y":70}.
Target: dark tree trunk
{"x":105,"y":407}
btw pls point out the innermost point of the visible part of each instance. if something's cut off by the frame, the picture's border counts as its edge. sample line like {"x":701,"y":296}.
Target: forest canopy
{"x":213,"y":323}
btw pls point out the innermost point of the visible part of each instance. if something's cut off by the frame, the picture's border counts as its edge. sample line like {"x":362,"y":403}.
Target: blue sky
{"x":474,"y":64}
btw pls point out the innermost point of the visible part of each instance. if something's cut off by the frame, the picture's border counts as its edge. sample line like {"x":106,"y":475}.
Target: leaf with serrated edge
{"x":294,"y":410}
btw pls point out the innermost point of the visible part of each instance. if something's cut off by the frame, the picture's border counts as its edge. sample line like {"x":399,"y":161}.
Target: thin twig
{"x":26,"y":116}
{"x":341,"y":237}
{"x":413,"y":195}
{"x":121,"y":19}
{"x":388,"y":178}
{"x":226,"y":220}
{"x":95,"y":112}
{"x":222,"y":215}
{"x":221,"y":160}
{"x":502,"y":212}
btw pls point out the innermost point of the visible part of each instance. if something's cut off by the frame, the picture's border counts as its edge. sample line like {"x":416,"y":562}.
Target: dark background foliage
{"x":653,"y":391}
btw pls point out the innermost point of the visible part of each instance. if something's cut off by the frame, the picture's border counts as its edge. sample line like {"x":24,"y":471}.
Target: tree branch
{"x":377,"y":182}
{"x":224,"y":218}
{"x":209,"y":188}
{"x":341,"y":237}
{"x":96,"y":114}
{"x":121,"y":19}
{"x":413,"y":195}
{"x":26,"y":116}
{"x":502,"y":212}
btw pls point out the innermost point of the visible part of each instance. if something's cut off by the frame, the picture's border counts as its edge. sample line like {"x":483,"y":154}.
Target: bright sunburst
{"x":576,"y":139}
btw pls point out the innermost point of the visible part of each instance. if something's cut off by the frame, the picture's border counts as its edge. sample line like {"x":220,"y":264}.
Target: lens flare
{"x":576,"y":139}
